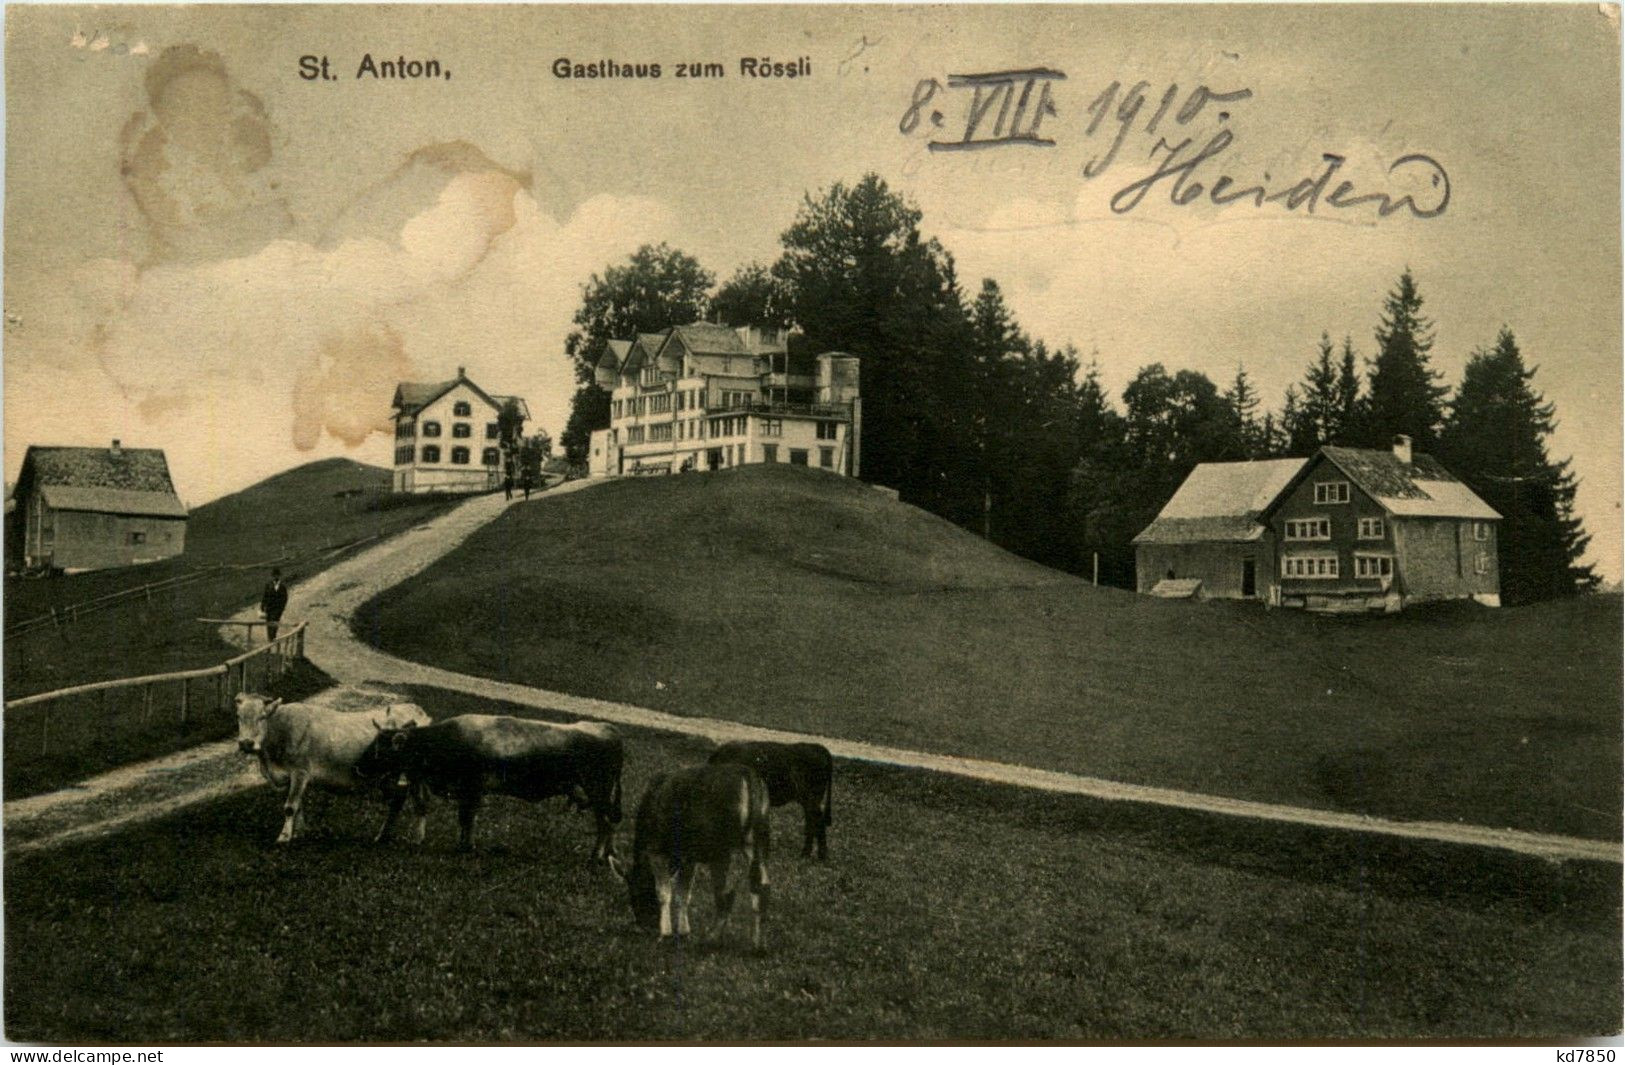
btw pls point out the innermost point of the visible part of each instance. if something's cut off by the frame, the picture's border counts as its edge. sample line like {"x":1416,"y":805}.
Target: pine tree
{"x":1246,"y":436}
{"x":1404,"y":391}
{"x":1348,"y":396}
{"x":1495,"y":440}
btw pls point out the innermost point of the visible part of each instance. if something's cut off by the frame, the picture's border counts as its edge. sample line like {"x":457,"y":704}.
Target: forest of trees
{"x":968,"y":416}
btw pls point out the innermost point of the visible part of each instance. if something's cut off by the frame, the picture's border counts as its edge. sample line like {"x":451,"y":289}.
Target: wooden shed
{"x":84,"y":508}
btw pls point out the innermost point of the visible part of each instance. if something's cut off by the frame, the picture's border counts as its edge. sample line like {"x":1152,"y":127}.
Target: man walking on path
{"x":507,"y":485}
{"x":272,"y":603}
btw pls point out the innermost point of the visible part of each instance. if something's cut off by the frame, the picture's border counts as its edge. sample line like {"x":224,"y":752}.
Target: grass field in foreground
{"x":789,"y":598}
{"x":948,"y":910}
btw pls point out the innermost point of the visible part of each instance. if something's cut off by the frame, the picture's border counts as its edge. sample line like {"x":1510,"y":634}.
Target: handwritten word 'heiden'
{"x":1306,"y":193}
{"x":1007,"y":108}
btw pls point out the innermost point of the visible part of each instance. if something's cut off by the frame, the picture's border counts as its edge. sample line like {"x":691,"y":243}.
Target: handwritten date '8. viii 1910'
{"x":1017,"y":109}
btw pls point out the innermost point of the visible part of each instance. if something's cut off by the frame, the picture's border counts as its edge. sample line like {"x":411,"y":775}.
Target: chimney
{"x":1402,"y":448}
{"x":115,"y":449}
{"x":460,"y":373}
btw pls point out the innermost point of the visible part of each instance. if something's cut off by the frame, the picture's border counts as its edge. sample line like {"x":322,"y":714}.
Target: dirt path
{"x":329,"y":599}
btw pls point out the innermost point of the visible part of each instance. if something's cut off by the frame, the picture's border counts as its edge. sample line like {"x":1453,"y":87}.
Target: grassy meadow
{"x":790,"y":598}
{"x":948,"y":910}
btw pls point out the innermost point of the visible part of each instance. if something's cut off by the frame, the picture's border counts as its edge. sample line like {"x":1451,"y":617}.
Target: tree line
{"x":970,"y":417}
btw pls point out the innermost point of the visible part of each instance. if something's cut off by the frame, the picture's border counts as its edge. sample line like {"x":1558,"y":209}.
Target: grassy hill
{"x":297,"y":515}
{"x":790,"y":598}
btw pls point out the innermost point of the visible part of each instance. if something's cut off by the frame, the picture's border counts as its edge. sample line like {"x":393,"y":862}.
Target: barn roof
{"x":102,"y":479}
{"x":1221,"y":501}
{"x":113,"y":501}
{"x":1420,"y":488}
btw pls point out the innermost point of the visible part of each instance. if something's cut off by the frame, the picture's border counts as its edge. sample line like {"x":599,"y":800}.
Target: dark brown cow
{"x":467,"y":756}
{"x":703,"y":815}
{"x":794,"y":772}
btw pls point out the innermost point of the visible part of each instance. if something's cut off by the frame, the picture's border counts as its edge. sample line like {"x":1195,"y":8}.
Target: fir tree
{"x":1404,"y":391}
{"x":1495,"y":440}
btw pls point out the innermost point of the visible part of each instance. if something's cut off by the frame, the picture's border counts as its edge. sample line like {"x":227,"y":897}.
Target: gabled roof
{"x":641,"y":350}
{"x":125,"y":481}
{"x":1420,"y":488}
{"x":413,"y":396}
{"x":704,"y":338}
{"x":1221,"y":501}
{"x":613,"y":355}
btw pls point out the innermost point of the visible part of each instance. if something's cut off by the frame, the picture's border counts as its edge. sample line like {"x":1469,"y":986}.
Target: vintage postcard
{"x":781,"y":523}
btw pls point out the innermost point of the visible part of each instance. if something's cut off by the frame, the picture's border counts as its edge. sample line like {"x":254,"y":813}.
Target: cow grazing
{"x":298,"y":745}
{"x":467,"y":756}
{"x":703,"y":815}
{"x":802,"y":773}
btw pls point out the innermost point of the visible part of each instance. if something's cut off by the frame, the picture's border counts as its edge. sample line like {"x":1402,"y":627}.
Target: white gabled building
{"x":447,"y":437}
{"x":707,"y":397}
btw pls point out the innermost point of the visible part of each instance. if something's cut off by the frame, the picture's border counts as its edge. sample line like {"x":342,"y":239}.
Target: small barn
{"x":1209,"y":540}
{"x":85,"y":508}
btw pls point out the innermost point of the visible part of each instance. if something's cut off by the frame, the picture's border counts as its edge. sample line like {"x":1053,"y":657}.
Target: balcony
{"x":842,"y":411}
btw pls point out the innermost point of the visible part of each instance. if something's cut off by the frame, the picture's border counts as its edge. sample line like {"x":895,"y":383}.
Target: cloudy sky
{"x":205,"y":252}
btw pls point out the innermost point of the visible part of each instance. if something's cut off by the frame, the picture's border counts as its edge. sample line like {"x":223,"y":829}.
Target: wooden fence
{"x":219,"y":684}
{"x":59,"y":616}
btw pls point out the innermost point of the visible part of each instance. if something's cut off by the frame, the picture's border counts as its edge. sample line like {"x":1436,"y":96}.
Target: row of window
{"x":1369,"y":529}
{"x":1365,"y":566}
{"x":459,"y":430}
{"x":430,"y":453}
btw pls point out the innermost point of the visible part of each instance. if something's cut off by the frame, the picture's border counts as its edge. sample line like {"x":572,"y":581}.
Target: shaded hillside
{"x":794,"y":599}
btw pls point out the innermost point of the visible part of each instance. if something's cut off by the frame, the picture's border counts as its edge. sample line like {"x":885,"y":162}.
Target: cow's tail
{"x":615,"y":800}
{"x":761,"y":833}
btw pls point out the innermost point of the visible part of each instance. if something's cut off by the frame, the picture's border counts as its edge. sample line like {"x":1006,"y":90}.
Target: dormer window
{"x":461,"y":409}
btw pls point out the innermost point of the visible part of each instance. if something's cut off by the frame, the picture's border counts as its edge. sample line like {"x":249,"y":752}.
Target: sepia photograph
{"x":813,"y":523}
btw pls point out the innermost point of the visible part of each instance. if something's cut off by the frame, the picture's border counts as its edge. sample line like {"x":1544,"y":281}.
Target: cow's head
{"x":640,"y":890}
{"x":386,"y":754}
{"x":253,"y":711}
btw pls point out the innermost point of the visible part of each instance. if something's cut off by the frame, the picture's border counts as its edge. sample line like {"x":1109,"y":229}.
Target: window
{"x":431,"y":453}
{"x":461,"y":409}
{"x":1371,"y":566}
{"x":634,"y":435}
{"x":660,"y":404}
{"x":431,"y":428}
{"x":403,"y":455}
{"x":462,"y":430}
{"x":490,"y":430}
{"x":1309,"y":529}
{"x":826,"y":430}
{"x":681,"y":427}
{"x":138,"y":538}
{"x":680,"y":401}
{"x":1481,"y":532}
{"x":1481,"y":565}
{"x":798,"y":456}
{"x":770,"y":452}
{"x":826,"y":457}
{"x":1317,"y":567}
{"x":1331,"y":492}
{"x":660,"y":432}
{"x":490,"y":457}
{"x":772,"y":427}
{"x":1371,"y":528}
{"x":459,"y":456}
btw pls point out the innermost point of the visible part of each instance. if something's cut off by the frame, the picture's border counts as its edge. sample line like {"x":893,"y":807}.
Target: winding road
{"x":329,"y":599}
